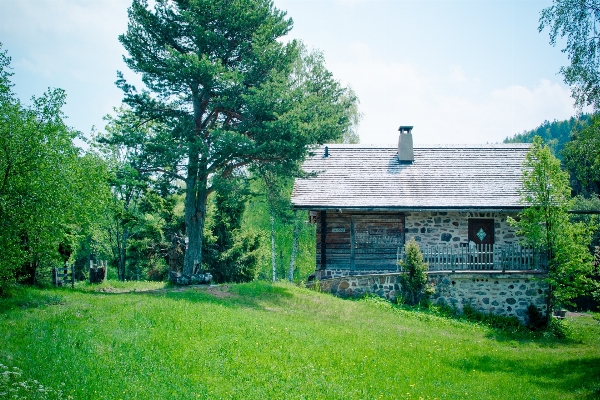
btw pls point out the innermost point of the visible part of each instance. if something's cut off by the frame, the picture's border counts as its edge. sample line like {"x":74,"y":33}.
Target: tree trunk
{"x":295,"y":235}
{"x":123,"y":253}
{"x":273,"y":260}
{"x":195,"y":214}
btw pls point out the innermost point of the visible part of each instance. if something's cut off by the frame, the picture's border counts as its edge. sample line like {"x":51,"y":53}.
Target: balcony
{"x":511,"y":257}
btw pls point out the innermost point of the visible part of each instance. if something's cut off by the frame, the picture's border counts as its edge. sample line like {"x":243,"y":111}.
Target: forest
{"x":193,"y":173}
{"x":60,"y":202}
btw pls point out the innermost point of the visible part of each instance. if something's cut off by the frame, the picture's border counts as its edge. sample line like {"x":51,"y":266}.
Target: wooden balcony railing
{"x":481,"y":257}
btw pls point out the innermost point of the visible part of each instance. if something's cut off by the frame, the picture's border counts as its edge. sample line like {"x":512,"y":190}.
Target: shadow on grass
{"x":24,"y":298}
{"x":253,"y":295}
{"x":541,"y":338}
{"x":572,"y":376}
{"x":499,"y":328}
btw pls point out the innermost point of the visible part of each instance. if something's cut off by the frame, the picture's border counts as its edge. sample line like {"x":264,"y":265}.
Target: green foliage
{"x":555,"y":134}
{"x":592,"y":221}
{"x":230,"y":253}
{"x":257,"y":217}
{"x":259,"y":340}
{"x":414,"y":281}
{"x":577,"y":21}
{"x":559,"y":329}
{"x":142,"y":229}
{"x":50,"y":190}
{"x":500,"y":322}
{"x":545,"y":224}
{"x":350,"y":136}
{"x":596,"y":274}
{"x":582,"y":157}
{"x":224,"y":92}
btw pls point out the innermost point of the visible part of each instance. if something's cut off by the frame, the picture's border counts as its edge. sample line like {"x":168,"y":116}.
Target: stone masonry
{"x":435,"y":228}
{"x":507,"y":294}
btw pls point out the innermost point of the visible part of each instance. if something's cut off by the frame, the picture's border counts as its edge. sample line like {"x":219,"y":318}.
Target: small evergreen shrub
{"x":414,"y":282}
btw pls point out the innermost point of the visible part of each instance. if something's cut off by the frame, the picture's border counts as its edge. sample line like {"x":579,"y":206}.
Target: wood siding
{"x":358,"y":241}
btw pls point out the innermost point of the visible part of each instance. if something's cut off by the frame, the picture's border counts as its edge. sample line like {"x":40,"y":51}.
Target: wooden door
{"x":481,"y":232}
{"x":375,"y":241}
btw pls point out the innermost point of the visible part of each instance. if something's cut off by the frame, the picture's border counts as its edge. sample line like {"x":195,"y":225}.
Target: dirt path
{"x":220,"y":291}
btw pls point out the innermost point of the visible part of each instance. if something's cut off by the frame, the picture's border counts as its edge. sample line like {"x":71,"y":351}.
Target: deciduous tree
{"x":49,"y":188}
{"x":544,"y":222}
{"x":577,"y":20}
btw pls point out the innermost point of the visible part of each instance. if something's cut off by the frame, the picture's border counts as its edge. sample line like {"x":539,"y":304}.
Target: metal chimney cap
{"x":405,"y":129}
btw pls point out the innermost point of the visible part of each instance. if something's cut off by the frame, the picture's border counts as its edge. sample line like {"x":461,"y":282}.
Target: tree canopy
{"x":224,"y":93}
{"x":582,"y":156}
{"x":555,"y":134}
{"x":577,"y":20}
{"x":49,"y":189}
{"x":544,"y":223}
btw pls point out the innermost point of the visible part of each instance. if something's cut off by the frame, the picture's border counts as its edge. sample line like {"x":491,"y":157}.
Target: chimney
{"x":406,"y":154}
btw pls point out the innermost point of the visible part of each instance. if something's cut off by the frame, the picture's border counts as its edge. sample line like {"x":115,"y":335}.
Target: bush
{"x":414,"y":282}
{"x":536,"y":320}
{"x":559,"y":329}
{"x":237,"y":264}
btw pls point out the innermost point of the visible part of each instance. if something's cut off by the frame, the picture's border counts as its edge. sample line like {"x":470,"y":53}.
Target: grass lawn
{"x":263,"y":341}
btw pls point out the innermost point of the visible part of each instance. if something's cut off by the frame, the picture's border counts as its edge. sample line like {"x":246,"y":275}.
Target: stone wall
{"x":435,"y":228}
{"x":507,"y":294}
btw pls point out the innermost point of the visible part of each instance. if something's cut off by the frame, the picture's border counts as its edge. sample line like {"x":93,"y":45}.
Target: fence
{"x":512,"y":257}
{"x":63,"y":275}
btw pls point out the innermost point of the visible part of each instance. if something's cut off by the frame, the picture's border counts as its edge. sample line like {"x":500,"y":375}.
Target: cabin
{"x":367,"y":201}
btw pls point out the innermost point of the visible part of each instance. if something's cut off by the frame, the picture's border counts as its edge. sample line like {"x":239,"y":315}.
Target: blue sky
{"x":459,"y":71}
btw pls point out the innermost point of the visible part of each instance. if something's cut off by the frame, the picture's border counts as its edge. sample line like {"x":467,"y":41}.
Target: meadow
{"x":274,"y":341}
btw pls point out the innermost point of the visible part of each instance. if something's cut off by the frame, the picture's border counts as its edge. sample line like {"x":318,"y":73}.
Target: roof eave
{"x":410,"y":209}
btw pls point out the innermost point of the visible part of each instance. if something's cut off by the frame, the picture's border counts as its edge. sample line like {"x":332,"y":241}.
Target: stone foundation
{"x":507,"y":294}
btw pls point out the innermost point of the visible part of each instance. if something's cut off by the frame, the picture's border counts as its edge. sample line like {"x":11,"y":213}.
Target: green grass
{"x":267,"y":341}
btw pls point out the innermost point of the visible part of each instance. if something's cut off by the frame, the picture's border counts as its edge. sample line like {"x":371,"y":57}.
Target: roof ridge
{"x":426,"y":146}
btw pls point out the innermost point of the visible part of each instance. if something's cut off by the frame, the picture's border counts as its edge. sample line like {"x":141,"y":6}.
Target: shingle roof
{"x":442,"y":176}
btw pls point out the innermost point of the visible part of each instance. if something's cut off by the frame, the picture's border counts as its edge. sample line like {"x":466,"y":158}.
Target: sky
{"x":460,"y":72}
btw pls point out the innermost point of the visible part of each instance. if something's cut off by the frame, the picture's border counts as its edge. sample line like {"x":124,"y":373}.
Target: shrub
{"x":414,"y":282}
{"x":560,"y":329}
{"x":536,"y":320}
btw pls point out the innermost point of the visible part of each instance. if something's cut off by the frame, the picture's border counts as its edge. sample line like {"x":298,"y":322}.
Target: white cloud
{"x":394,"y":94}
{"x":458,"y":75}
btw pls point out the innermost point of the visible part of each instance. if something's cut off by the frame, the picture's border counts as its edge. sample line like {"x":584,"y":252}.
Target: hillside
{"x":555,"y":133}
{"x":262,"y":341}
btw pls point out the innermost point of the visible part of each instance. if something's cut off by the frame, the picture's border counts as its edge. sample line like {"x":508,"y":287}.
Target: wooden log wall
{"x":358,"y":241}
